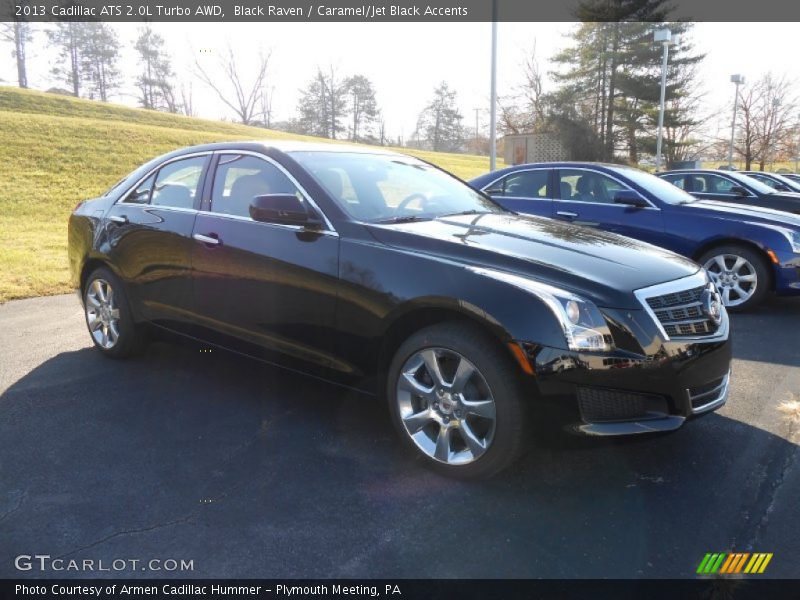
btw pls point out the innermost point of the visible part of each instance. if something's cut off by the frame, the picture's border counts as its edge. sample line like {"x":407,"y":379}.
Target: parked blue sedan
{"x":748,"y":252}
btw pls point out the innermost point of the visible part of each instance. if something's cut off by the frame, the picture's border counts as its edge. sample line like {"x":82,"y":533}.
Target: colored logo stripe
{"x":758,"y":563}
{"x":724,"y":563}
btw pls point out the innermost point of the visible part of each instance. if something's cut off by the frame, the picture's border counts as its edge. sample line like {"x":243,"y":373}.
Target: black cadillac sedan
{"x":381,"y":272}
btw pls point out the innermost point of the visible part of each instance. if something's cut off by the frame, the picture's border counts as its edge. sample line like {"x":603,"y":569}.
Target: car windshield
{"x":753,"y":184}
{"x":786,"y":181}
{"x":389,"y":188}
{"x":661,"y":189}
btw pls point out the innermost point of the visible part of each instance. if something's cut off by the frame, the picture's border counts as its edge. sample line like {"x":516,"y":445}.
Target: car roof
{"x":289,"y":146}
{"x":710,"y":171}
{"x":495,"y":175}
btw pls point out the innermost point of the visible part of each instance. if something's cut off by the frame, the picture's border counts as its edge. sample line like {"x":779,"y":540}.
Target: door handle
{"x":119,"y":219}
{"x":567,"y":215}
{"x":212,"y":239}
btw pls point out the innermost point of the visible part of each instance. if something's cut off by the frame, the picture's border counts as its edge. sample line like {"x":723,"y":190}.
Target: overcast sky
{"x":406,"y":61}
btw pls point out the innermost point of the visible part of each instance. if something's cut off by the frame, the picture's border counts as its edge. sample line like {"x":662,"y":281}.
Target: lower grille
{"x":709,"y":396}
{"x":600,"y":405}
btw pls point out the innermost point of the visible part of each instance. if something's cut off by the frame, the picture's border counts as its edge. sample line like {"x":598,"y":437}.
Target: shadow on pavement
{"x":251,"y":471}
{"x":768,"y":333}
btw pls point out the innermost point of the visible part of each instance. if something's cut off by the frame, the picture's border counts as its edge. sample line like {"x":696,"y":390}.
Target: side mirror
{"x":283,"y":209}
{"x":782,"y":187}
{"x":629,"y":198}
{"x":739,"y":190}
{"x":493,"y":192}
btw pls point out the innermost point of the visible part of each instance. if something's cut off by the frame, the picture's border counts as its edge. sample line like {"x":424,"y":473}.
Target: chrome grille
{"x":681,"y":313}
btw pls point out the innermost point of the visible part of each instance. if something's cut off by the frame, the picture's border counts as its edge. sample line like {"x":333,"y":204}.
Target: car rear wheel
{"x":457,"y":402}
{"x":740,"y":274}
{"x":108,"y":316}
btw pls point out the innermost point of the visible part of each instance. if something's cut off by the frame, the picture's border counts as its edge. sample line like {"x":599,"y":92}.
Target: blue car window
{"x":526,"y":184}
{"x":581,"y":185}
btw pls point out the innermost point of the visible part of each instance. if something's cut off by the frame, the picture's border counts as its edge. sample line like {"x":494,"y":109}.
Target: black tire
{"x":131,"y":336}
{"x":496,"y":369}
{"x":759,"y":267}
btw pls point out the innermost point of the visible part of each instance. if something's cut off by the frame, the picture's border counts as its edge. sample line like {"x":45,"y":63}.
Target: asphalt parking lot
{"x":250,"y":471}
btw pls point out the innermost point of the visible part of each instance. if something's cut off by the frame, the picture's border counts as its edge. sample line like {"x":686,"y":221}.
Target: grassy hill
{"x":56,"y":150}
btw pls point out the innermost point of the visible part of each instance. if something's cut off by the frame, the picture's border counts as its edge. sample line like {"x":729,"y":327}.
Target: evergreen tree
{"x":156,"y":91}
{"x":612,"y":75}
{"x":441,"y":122}
{"x":18,"y":33}
{"x":362,"y":106}
{"x":99,"y":57}
{"x":70,"y":39}
{"x":322,"y":106}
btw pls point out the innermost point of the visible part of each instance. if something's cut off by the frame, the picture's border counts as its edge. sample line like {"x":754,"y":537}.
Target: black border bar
{"x":464,"y":11}
{"x":409,"y":589}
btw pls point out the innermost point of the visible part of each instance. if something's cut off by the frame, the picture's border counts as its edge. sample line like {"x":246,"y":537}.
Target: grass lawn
{"x":56,"y":151}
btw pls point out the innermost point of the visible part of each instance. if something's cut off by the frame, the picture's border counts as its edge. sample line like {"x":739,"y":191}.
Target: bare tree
{"x":524,"y":109}
{"x":382,"y":139}
{"x":776,"y":123}
{"x":746,"y":139}
{"x":18,"y":33}
{"x":267,"y":95}
{"x":766,"y":120}
{"x":237,"y":94}
{"x":187,"y":102}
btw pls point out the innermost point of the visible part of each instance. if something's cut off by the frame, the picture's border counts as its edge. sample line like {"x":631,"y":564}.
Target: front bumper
{"x":787,"y":274}
{"x":625,"y":392}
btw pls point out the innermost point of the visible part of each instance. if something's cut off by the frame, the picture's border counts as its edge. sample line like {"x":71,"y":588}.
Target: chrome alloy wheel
{"x":102,"y":315}
{"x":446,"y":406}
{"x":735,"y":278}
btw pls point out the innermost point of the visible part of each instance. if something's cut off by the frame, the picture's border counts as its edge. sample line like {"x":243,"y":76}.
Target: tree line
{"x":331,"y":105}
{"x":605,"y":100}
{"x":603,"y":105}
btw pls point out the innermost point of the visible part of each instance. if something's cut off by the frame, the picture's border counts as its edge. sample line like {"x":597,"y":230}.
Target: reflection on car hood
{"x":755,"y":214}
{"x":601,"y":266}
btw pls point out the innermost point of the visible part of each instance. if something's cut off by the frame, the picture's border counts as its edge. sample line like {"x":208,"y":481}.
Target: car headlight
{"x":585,"y":329}
{"x":794,"y":240}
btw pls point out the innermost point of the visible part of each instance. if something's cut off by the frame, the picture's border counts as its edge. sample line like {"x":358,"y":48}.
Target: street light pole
{"x":493,"y":94}
{"x":737,"y":80}
{"x":664,"y":36}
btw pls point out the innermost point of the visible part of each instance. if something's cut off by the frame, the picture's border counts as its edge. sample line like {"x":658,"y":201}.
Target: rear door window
{"x":141,"y":193}
{"x":174,"y":185}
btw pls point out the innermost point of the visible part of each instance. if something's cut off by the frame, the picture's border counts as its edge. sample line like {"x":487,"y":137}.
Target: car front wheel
{"x":457,"y":401}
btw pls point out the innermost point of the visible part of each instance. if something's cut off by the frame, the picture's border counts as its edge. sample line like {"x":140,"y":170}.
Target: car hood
{"x":603,"y":267}
{"x":739,"y":212}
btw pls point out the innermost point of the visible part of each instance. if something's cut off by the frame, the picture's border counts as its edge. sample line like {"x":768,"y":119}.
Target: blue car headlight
{"x":585,"y":329}
{"x":794,"y":241}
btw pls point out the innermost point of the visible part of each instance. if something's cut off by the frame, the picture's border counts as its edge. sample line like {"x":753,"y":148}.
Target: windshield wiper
{"x":465,"y":212}
{"x":404,"y":219}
